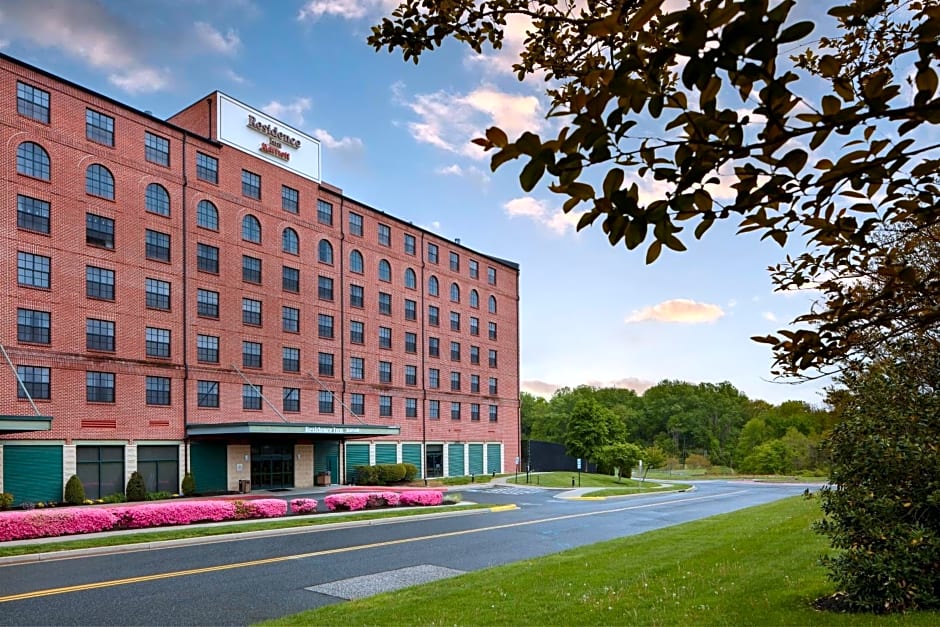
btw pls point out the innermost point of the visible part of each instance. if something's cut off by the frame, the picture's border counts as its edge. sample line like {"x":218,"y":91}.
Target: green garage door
{"x":493,"y":458}
{"x":455,"y":460}
{"x":356,"y":455}
{"x":209,"y":465}
{"x":32,"y":473}
{"x":411,"y":454}
{"x":386,"y":454}
{"x":476,"y":459}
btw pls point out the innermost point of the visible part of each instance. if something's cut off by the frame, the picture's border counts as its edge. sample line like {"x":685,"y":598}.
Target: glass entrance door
{"x":272,"y":466}
{"x":434,"y":459}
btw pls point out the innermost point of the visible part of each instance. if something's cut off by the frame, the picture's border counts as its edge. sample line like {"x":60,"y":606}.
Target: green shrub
{"x":450,"y":498}
{"x":189,"y":484}
{"x":74,"y":491}
{"x":391,"y":473}
{"x":411,"y":471}
{"x":136,"y":489}
{"x":159,"y":496}
{"x":367,"y":475}
{"x":6,"y":500}
{"x":697,"y":461}
{"x":117,"y":497}
{"x":385,"y":474}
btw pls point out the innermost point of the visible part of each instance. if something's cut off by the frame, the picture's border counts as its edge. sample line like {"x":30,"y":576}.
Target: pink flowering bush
{"x":303,"y":506}
{"x":162,"y":514}
{"x":21,"y":525}
{"x":421,"y":497}
{"x":346,"y":502}
{"x":353,"y":501}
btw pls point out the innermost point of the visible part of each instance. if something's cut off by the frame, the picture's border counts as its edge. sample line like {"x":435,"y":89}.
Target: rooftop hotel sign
{"x":253,"y":132}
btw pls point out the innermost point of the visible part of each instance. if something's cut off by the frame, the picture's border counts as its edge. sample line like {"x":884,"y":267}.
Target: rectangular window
{"x":99,"y":127}
{"x":434,"y":315}
{"x":207,"y":394}
{"x":357,"y":404}
{"x":385,"y":235}
{"x":385,"y":337}
{"x":207,"y":349}
{"x":325,"y":326}
{"x":251,"y":269}
{"x":33,"y":270}
{"x":356,"y":296}
{"x":251,"y":312}
{"x":385,"y":304}
{"x":455,"y":411}
{"x":325,"y":402}
{"x":158,"y":390}
{"x":434,"y":347}
{"x":156,"y":149}
{"x":411,"y":408}
{"x":324,"y":288}
{"x":410,"y":244}
{"x":33,"y":327}
{"x":494,"y":415}
{"x":37,"y":381}
{"x":32,"y":214}
{"x":491,"y":276}
{"x":290,"y":279}
{"x":324,"y":213}
{"x":157,"y":294}
{"x":251,"y":354}
{"x":411,"y":309}
{"x":493,"y":386}
{"x":325,"y":364}
{"x":99,"y":387}
{"x":434,"y":410}
{"x":355,"y":224}
{"x":357,"y":333}
{"x":385,"y":406}
{"x":475,"y":412}
{"x":491,"y":328}
{"x":207,"y":168}
{"x":207,"y":303}
{"x":207,"y":258}
{"x":99,"y":231}
{"x":290,"y":199}
{"x":251,"y":185}
{"x":454,"y":381}
{"x":99,"y":335}
{"x":474,"y":325}
{"x":455,"y":262}
{"x":158,"y":342}
{"x":492,"y":358}
{"x":290,"y":319}
{"x":411,"y":343}
{"x":357,"y":368}
{"x":385,"y":372}
{"x":475,"y":383}
{"x":32,"y":102}
{"x":290,"y":359}
{"x":99,"y":283}
{"x":434,"y":378}
{"x":455,"y":351}
{"x":251,"y":397}
{"x":454,"y":321}
{"x":291,"y":400}
{"x":158,"y":246}
{"x":411,"y":375}
{"x":474,"y":269}
{"x":475,"y":355}
{"x":432,"y":253}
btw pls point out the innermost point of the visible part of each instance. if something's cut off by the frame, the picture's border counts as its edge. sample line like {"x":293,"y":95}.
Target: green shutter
{"x":493,"y":458}
{"x":455,"y":459}
{"x":32,"y":473}
{"x":386,"y":454}
{"x":476,"y":459}
{"x":356,"y":455}
{"x":411,"y":454}
{"x":209,"y":465}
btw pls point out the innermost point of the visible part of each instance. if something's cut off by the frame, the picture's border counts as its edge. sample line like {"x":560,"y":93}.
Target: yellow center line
{"x":360,"y":547}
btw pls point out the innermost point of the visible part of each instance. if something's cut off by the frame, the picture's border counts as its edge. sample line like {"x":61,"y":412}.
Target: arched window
{"x":157,"y":200}
{"x":454,"y":292}
{"x":411,"y":280}
{"x":385,"y":270}
{"x":474,"y":299}
{"x":433,"y":288}
{"x":325,"y":251}
{"x":355,"y":262}
{"x":290,"y":243}
{"x":99,"y":181}
{"x":251,"y":229}
{"x":492,"y":304}
{"x":207,"y":216}
{"x":33,"y":160}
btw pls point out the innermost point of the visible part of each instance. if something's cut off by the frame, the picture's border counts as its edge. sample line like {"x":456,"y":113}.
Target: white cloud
{"x":351,"y":144}
{"x":229,"y":43}
{"x":539,"y":212}
{"x":347,"y":9}
{"x":291,"y":112}
{"x":501,"y":61}
{"x":235,"y":77}
{"x":141,"y":80}
{"x":466,"y":171}
{"x":545,"y":389}
{"x":769,"y":315}
{"x":679,"y":310}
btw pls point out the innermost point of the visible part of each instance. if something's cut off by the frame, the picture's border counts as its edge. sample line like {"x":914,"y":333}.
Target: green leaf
{"x":795,"y":32}
{"x":795,"y":160}
{"x":652,"y":253}
{"x":532,"y":173}
{"x":613,"y":181}
{"x":497,"y":136}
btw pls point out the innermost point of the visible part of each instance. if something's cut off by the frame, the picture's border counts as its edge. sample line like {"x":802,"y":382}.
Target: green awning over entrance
{"x":19,"y":424}
{"x":281,"y":428}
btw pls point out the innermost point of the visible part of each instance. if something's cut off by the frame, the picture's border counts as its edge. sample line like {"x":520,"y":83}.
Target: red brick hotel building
{"x":188,"y":295}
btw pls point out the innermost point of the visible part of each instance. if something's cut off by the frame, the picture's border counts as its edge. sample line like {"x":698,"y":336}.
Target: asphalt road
{"x":240,"y":581}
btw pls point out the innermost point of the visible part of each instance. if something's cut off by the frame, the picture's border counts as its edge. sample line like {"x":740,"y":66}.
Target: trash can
{"x":322,"y":478}
{"x":244,"y":486}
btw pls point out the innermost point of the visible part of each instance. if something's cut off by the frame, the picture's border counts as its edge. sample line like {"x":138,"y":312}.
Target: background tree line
{"x":705,"y":424}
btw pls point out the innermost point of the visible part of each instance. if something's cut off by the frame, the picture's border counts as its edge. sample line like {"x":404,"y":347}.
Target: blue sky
{"x":397,"y":136}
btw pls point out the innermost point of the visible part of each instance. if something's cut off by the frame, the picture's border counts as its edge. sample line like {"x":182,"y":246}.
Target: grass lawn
{"x":588,"y":480}
{"x":752,"y":567}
